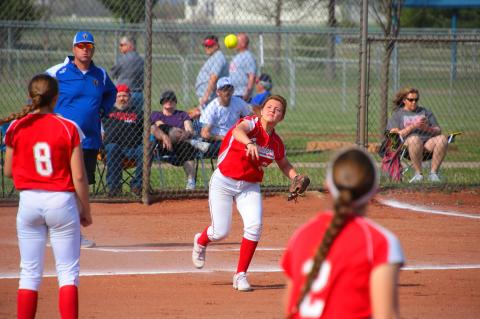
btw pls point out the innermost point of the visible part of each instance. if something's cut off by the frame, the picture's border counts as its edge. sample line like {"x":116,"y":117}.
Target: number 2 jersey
{"x":233,"y":161}
{"x":42,"y":149}
{"x":342,"y":288}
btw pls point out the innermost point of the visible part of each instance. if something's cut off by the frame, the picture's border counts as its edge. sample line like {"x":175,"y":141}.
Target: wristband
{"x":246,"y":145}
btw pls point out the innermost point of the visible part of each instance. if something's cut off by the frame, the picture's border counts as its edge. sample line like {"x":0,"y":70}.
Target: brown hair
{"x":352,"y":181}
{"x":401,"y":95}
{"x":42,"y":89}
{"x":278,"y":98}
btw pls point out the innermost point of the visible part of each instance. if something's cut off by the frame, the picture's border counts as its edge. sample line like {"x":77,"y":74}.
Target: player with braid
{"x":247,"y":149}
{"x":45,"y":159}
{"x":341,"y":264}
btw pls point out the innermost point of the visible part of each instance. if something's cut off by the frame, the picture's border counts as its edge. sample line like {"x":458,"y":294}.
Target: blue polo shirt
{"x":83,"y":98}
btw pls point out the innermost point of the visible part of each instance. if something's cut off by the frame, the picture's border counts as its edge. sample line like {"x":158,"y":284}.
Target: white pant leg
{"x":220,"y":199}
{"x":63,"y":222}
{"x":56,"y":211}
{"x":250,"y":206}
{"x":32,"y":237}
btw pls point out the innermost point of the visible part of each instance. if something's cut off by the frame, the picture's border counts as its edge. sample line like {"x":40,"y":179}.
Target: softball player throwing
{"x":340,"y":264}
{"x":45,"y":158}
{"x":248,"y":147}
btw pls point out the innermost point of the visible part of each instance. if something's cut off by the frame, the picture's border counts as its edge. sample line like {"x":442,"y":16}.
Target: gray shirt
{"x":129,"y":70}
{"x":241,"y":66}
{"x":402,"y":118}
{"x":215,"y":64}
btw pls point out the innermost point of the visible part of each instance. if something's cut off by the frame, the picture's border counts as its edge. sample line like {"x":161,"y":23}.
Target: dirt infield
{"x":142,"y":265}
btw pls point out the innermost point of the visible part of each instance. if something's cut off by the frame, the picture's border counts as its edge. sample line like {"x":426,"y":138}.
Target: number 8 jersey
{"x":42,"y":148}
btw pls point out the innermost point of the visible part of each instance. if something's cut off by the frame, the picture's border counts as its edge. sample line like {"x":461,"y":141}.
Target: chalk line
{"x":424,"y":209}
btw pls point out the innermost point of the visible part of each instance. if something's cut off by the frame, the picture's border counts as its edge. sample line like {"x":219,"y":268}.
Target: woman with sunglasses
{"x":418,"y":127}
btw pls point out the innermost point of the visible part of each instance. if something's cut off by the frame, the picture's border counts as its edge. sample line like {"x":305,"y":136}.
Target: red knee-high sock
{"x":26,"y":303}
{"x":68,"y":302}
{"x":247,"y":249}
{"x":203,"y":239}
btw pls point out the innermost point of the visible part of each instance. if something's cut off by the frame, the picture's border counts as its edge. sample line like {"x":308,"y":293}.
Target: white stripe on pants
{"x":223,"y":190}
{"x":56,"y":212}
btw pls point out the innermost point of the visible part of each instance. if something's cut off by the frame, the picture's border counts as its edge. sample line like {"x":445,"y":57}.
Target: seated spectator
{"x":263,"y":87}
{"x":123,"y":134}
{"x":419,"y":128}
{"x":220,"y":115}
{"x":174,"y":129}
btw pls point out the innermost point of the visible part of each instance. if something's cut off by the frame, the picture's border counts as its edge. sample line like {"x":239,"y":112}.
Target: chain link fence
{"x":316,"y":68}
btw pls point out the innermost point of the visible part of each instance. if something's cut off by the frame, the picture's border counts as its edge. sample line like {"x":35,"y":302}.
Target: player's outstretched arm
{"x":81,"y":185}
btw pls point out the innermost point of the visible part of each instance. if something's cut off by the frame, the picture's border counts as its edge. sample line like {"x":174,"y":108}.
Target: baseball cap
{"x":223,"y":82}
{"x":123,"y":88}
{"x":168,"y":96}
{"x":210,"y":41}
{"x":265,"y":80}
{"x":83,"y":37}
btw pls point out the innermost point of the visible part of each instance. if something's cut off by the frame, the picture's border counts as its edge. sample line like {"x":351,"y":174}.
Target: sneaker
{"x":202,"y":146}
{"x":240,"y":282}
{"x":190,"y":185}
{"x":417,"y":178}
{"x":434,"y":178}
{"x":86,"y":243}
{"x":198,"y":253}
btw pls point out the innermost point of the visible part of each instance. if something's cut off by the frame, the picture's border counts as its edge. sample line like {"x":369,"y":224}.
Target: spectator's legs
{"x":189,"y":168}
{"x":114,"y":167}
{"x":438,"y":146}
{"x":136,"y":153}
{"x":90,"y":160}
{"x":415,"y":150}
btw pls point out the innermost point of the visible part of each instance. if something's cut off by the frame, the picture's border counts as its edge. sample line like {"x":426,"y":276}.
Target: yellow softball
{"x":231,"y":41}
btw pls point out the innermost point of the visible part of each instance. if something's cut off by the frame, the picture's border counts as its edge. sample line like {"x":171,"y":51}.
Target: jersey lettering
{"x":311,"y":308}
{"x":43,"y":159}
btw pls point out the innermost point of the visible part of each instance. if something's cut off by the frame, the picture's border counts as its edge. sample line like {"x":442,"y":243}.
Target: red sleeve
{"x":9,"y":134}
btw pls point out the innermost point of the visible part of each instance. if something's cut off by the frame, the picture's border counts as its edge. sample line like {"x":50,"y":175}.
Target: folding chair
{"x":427,"y":156}
{"x":395,"y":155}
{"x":126,"y":176}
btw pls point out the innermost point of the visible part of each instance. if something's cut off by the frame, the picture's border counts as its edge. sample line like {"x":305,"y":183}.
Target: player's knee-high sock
{"x":26,"y":303}
{"x":203,"y":239}
{"x":68,"y":302}
{"x":247,"y":249}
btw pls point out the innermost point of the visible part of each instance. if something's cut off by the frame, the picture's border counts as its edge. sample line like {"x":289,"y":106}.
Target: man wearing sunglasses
{"x":214,"y":68}
{"x":85,"y":94}
{"x":419,"y":128}
{"x":129,"y":70}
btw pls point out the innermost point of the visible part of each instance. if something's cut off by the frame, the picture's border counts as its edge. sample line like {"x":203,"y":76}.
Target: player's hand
{"x":85,"y":219}
{"x":252,"y":151}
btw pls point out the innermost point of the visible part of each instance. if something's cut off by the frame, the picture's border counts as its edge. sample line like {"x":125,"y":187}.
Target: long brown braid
{"x":353,"y":175}
{"x":42,"y":89}
{"x":401,"y":95}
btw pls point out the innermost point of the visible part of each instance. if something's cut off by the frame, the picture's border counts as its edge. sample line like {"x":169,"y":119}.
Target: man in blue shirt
{"x":85,"y":94}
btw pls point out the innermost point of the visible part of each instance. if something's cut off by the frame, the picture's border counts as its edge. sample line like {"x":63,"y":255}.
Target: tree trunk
{"x":278,"y":43}
{"x":332,"y":23}
{"x":384,"y":84}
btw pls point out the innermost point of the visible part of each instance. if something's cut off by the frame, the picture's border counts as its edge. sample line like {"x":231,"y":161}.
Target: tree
{"x":16,"y":10}
{"x":387,"y":15}
{"x":439,"y":18}
{"x":129,"y":11}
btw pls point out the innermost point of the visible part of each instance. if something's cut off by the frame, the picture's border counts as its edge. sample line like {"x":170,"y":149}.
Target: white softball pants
{"x":40,"y":212}
{"x":223,"y":190}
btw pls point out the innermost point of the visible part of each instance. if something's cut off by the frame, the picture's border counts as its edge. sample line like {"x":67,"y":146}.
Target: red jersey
{"x":233,"y":161}
{"x":342,"y":288}
{"x":42,"y":148}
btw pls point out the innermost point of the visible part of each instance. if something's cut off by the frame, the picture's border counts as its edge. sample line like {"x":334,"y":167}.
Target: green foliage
{"x":17,"y":10}
{"x":129,"y":11}
{"x":439,"y":18}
